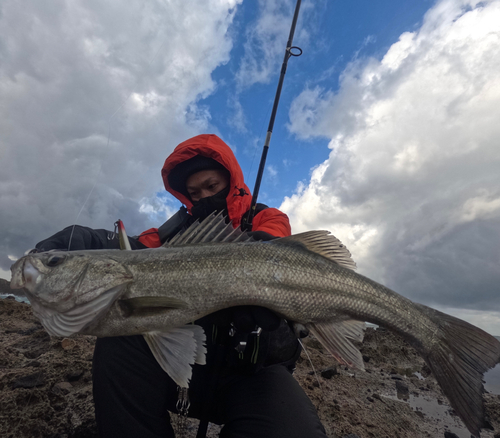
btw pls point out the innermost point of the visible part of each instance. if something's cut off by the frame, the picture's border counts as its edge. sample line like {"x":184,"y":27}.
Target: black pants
{"x":133,"y":395}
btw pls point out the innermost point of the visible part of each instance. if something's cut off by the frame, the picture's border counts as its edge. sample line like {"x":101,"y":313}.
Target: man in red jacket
{"x":203,"y":156}
{"x":246,"y":384}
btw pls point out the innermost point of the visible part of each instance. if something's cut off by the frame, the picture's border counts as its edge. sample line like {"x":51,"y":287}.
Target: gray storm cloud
{"x":94,"y":95}
{"x":412,"y":184}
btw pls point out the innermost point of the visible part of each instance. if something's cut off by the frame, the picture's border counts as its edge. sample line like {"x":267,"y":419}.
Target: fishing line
{"x":96,"y":178}
{"x":310,"y":362}
{"x":322,"y":401}
{"x":259,"y":137}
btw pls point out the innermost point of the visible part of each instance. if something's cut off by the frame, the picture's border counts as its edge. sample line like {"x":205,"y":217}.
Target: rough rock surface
{"x":46,"y":387}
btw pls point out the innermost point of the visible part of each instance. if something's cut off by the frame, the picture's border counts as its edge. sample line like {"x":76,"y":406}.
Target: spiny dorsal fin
{"x":212,"y":229}
{"x":325,"y":244}
{"x":215,"y":229}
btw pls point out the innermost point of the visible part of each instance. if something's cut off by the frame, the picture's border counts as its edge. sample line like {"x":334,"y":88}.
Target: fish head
{"x":71,"y":285}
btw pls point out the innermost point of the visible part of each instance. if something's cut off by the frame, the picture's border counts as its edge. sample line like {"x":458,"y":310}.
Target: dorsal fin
{"x":215,"y":229}
{"x":212,"y":229}
{"x":325,"y":244}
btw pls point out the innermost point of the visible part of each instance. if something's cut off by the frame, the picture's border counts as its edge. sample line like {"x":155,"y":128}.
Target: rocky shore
{"x":46,"y":387}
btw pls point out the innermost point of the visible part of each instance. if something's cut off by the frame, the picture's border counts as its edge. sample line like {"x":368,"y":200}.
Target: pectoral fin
{"x":178,"y":349}
{"x":336,"y":338}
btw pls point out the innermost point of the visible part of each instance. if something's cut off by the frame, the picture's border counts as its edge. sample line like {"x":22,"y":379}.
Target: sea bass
{"x":306,"y":278}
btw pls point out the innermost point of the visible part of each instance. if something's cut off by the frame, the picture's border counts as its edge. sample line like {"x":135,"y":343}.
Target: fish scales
{"x":302,"y":287}
{"x":305,"y":278}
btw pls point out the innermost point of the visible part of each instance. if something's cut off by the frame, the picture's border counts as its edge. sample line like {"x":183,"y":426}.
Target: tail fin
{"x":458,"y":360}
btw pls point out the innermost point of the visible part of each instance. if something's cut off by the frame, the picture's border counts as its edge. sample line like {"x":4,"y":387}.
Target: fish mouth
{"x":27,"y":272}
{"x":78,"y":318}
{"x":18,"y":280}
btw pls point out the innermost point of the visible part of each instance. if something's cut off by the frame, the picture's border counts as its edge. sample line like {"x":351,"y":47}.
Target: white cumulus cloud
{"x":412,"y":183}
{"x":93,"y":97}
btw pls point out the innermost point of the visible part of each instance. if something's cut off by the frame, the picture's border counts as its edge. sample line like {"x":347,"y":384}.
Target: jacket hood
{"x":239,"y":198}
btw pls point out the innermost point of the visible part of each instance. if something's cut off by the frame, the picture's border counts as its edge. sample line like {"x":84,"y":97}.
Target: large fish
{"x":307,"y":278}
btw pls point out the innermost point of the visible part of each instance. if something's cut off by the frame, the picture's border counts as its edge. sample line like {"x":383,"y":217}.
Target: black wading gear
{"x":133,"y":396}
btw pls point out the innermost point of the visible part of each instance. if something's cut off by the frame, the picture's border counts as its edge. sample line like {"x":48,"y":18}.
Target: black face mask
{"x":206,"y":206}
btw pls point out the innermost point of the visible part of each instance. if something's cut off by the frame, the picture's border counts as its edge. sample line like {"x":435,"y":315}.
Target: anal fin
{"x":177,"y":349}
{"x":336,"y":337}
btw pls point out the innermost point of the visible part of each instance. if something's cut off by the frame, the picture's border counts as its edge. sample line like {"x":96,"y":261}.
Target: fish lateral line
{"x":149,"y":306}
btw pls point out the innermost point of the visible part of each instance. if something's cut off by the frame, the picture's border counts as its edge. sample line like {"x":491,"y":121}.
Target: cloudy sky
{"x":387,"y":133}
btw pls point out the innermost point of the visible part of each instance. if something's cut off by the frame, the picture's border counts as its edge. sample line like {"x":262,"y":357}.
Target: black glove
{"x":261,"y":235}
{"x":81,"y":238}
{"x":84,"y":238}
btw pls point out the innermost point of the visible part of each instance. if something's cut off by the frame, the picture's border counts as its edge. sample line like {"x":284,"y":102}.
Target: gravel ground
{"x":46,"y":387}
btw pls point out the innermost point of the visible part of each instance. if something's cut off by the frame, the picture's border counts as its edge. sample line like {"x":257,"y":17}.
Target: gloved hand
{"x":84,"y":238}
{"x":246,"y":318}
{"x":261,"y":235}
{"x":81,"y":238}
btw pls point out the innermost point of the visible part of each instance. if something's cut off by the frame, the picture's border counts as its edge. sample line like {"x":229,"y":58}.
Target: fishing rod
{"x":290,"y":51}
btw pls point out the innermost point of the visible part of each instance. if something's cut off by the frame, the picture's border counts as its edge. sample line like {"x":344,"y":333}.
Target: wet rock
{"x":30,"y":330}
{"x":402,"y":388}
{"x":68,"y":344}
{"x":75,"y":375}
{"x":62,"y":388}
{"x":487,"y":424}
{"x":396,"y":377}
{"x":34,"y":345}
{"x":329,"y":372}
{"x":29,"y":381}
{"x":425,"y":371}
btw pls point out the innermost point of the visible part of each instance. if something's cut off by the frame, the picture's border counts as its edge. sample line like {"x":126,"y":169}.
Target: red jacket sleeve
{"x":150,"y":238}
{"x":272,"y":221}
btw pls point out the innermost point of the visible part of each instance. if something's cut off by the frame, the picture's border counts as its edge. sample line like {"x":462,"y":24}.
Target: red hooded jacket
{"x":270,"y":220}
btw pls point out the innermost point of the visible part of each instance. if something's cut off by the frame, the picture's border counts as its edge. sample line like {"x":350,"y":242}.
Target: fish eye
{"x":55,"y":260}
